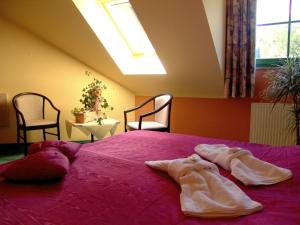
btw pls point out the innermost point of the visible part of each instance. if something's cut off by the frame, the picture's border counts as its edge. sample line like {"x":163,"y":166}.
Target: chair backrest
{"x":31,"y":105}
{"x":163,"y":115}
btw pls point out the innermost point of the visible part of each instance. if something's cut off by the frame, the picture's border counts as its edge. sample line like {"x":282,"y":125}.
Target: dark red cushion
{"x":43,"y":165}
{"x":39,"y":146}
{"x":69,"y":149}
{"x":35,"y":147}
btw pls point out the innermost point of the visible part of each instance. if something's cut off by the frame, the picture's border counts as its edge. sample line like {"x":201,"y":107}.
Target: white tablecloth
{"x":99,"y":131}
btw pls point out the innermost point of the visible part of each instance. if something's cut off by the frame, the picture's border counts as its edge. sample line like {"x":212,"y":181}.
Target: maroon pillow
{"x":35,"y":147}
{"x":39,"y":146}
{"x":50,"y":143}
{"x":69,"y":149}
{"x":43,"y":165}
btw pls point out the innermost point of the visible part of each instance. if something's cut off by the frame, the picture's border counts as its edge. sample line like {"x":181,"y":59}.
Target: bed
{"x":109,"y":184}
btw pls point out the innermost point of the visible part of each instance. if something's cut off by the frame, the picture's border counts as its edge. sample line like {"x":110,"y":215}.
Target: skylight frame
{"x":98,"y":15}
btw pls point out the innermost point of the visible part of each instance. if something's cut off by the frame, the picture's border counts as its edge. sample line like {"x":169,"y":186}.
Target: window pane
{"x":271,"y":41}
{"x":130,"y":27}
{"x":295,"y":39}
{"x":270,"y":11}
{"x":107,"y":29}
{"x":296,"y":10}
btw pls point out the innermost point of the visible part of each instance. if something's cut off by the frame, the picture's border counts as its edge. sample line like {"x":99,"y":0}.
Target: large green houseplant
{"x":283,"y":85}
{"x":93,"y":100}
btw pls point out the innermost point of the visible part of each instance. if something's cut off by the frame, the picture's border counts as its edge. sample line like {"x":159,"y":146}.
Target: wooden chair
{"x":162,"y":111}
{"x":30,"y":115}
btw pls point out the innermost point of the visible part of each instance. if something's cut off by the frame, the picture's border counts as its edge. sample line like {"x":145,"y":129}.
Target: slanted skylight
{"x":117,"y":27}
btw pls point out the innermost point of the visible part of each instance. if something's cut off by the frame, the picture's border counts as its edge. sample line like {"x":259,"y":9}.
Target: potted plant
{"x":79,"y":114}
{"x":93,"y":100}
{"x":283,"y":85}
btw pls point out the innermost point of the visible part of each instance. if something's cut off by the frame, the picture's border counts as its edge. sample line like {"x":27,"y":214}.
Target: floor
{"x":8,"y":158}
{"x":10,"y":153}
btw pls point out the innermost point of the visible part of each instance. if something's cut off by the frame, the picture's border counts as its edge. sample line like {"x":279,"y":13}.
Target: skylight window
{"x":117,"y":27}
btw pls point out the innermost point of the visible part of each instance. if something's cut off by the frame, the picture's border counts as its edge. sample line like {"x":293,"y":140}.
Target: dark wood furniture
{"x":162,"y":110}
{"x":30,"y":115}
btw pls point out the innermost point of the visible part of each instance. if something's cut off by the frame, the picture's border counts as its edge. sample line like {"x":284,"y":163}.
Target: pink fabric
{"x":35,"y":147}
{"x":69,"y":149}
{"x":44,"y":165}
{"x":109,"y":184}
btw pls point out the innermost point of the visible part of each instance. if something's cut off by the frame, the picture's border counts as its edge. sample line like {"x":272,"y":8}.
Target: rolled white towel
{"x":243,"y":165}
{"x":204,"y":192}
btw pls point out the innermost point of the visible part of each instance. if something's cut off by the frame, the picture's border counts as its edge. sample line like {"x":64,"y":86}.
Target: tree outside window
{"x":277,"y":31}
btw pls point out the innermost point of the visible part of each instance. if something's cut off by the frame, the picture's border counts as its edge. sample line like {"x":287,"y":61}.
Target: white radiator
{"x":271,"y":126}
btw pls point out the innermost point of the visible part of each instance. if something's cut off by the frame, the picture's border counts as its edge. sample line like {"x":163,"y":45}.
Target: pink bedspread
{"x":109,"y":184}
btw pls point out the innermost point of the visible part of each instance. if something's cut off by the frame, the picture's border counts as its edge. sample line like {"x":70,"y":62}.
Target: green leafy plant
{"x":77,"y":111}
{"x":93,"y":100}
{"x":284,"y":86}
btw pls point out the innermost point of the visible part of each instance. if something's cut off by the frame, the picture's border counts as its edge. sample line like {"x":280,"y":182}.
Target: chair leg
{"x":44,"y":134}
{"x":18,"y":135}
{"x":25,"y":141}
{"x":58,"y":133}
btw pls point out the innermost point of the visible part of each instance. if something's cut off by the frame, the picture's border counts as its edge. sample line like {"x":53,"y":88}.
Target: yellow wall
{"x":216,"y":15}
{"x":30,"y":64}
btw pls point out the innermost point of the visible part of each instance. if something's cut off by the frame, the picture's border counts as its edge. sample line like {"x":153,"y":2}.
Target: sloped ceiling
{"x":178,"y":30}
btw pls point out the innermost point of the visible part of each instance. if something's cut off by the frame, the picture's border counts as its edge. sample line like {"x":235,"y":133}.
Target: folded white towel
{"x":243,"y":165}
{"x":204,"y":192}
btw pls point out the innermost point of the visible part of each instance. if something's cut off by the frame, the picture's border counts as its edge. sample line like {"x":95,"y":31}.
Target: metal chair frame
{"x":21,"y":123}
{"x":168,"y":103}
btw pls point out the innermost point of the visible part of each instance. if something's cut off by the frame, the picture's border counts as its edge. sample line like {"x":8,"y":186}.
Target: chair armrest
{"x":18,"y":114}
{"x":133,"y":109}
{"x":151,"y":113}
{"x":56,"y":109}
{"x":139,"y":106}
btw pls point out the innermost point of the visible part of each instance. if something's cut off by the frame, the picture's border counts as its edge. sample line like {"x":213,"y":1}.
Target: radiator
{"x":271,"y":126}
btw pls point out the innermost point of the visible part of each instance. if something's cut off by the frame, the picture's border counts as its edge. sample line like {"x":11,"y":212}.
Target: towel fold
{"x":204,"y":192}
{"x":243,"y":165}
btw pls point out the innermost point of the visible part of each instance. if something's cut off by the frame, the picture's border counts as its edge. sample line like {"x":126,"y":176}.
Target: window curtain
{"x":240,"y":48}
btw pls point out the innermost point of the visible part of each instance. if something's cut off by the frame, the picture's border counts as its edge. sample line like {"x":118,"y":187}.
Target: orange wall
{"x":218,"y":118}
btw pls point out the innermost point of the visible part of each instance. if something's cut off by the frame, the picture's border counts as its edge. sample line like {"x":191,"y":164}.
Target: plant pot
{"x":79,"y":118}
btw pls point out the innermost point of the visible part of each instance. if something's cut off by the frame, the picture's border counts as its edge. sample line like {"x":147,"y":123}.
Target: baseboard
{"x":9,"y":149}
